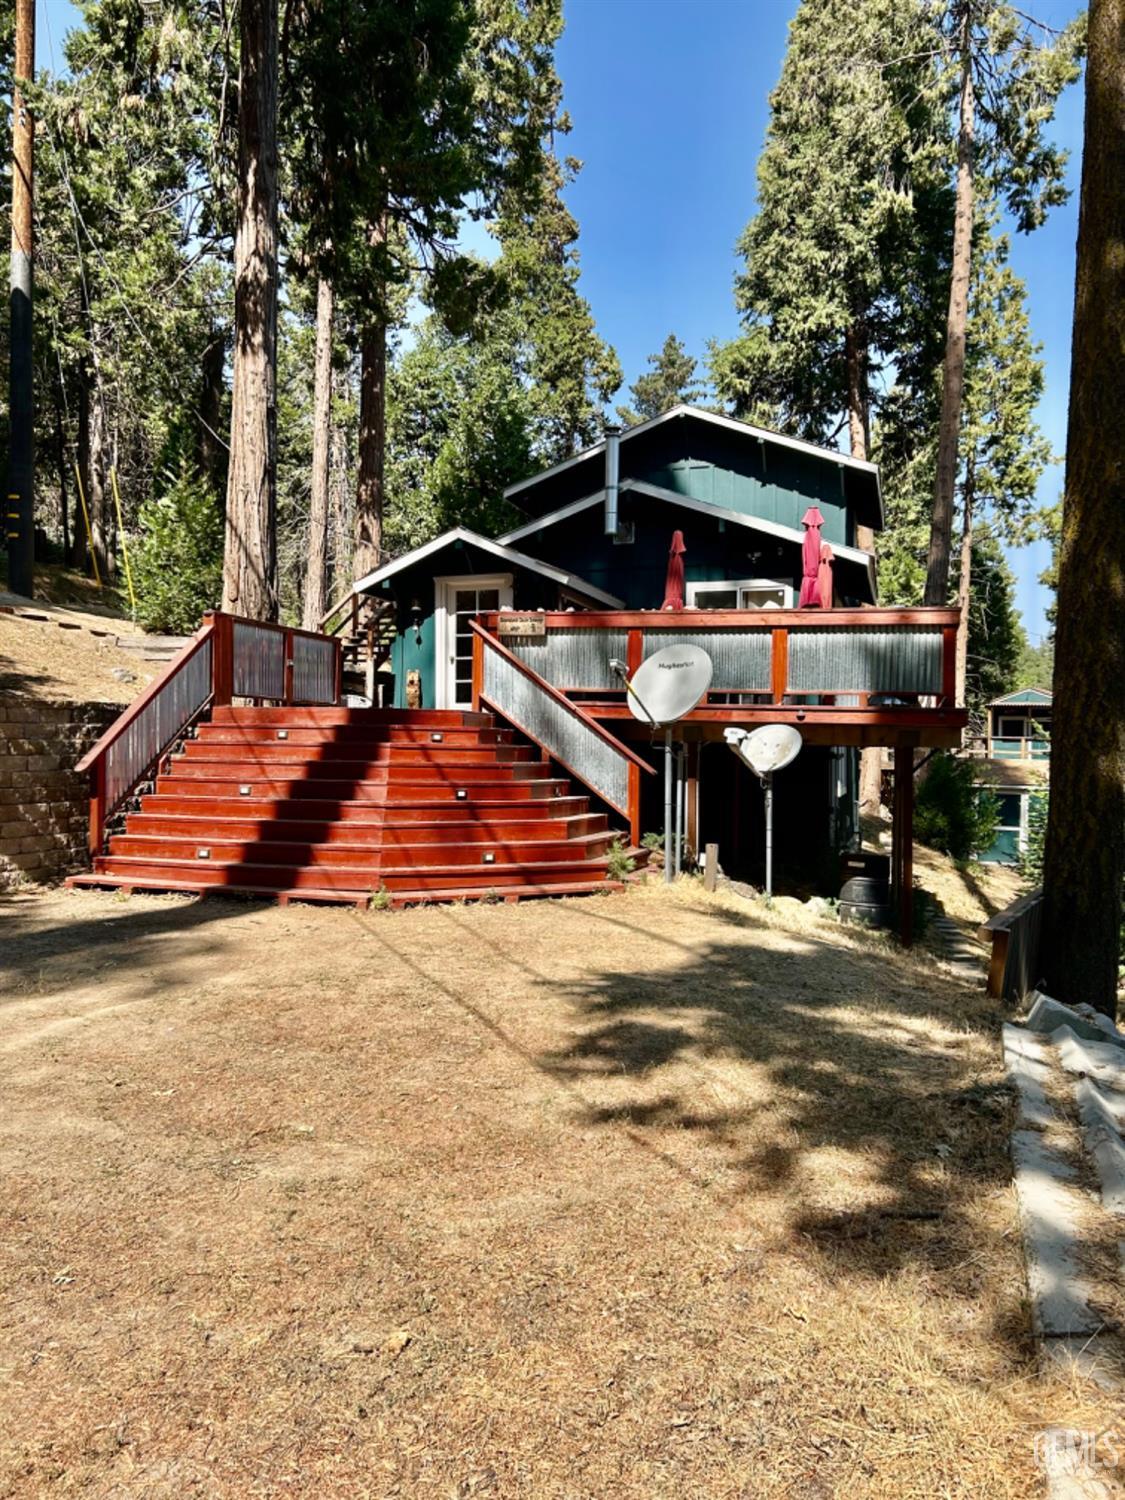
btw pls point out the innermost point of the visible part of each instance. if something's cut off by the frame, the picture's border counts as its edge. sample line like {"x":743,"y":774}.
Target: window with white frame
{"x":741,"y":593}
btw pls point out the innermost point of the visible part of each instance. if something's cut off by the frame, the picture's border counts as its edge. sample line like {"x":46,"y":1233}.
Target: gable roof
{"x":1039,"y":697}
{"x":496,"y":549}
{"x":865,"y":560}
{"x":717,"y":420}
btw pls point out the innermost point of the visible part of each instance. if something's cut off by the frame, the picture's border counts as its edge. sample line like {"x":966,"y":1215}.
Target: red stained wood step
{"x":546,"y":891}
{"x":433,"y":789}
{"x":399,"y":858}
{"x":347,"y":734}
{"x":388,"y":814}
{"x":416,"y":718}
{"x":357,"y":753}
{"x":355,"y":770}
{"x":124,"y":869}
{"x":375,"y":834}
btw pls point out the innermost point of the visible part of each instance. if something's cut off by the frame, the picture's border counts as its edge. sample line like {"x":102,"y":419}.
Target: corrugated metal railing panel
{"x":563,"y":734}
{"x":741,"y":658}
{"x":314,"y":670}
{"x":880,"y":659}
{"x":157,"y":725}
{"x":573,"y":658}
{"x":259,"y":661}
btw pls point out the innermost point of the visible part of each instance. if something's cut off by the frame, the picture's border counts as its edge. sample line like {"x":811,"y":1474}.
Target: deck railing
{"x":1008,"y":747}
{"x":227,"y":658}
{"x":561,"y":728}
{"x":863,"y":658}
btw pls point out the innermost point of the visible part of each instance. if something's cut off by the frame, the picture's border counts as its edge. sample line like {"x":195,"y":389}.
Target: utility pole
{"x":20,"y":510}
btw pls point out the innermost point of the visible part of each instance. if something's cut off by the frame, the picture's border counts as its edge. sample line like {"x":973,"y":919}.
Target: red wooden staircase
{"x":341,"y":803}
{"x":298,"y":796}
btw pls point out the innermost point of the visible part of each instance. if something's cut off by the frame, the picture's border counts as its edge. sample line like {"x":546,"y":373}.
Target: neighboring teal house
{"x":597,"y":531}
{"x":1016,"y":767}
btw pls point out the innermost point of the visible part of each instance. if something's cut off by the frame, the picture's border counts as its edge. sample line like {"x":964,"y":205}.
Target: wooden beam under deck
{"x":910,"y":727}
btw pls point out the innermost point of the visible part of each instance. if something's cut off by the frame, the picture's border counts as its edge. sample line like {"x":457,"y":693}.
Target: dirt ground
{"x":654,"y":1195}
{"x":59,"y":665}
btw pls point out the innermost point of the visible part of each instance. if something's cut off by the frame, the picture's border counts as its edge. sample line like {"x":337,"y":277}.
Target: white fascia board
{"x":496,"y":549}
{"x":573,"y":509}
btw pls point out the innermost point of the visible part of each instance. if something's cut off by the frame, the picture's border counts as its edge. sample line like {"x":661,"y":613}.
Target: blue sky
{"x":669,"y":104}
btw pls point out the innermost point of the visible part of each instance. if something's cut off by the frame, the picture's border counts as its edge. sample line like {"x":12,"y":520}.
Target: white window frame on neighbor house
{"x":697,"y":592}
{"x":445,"y":644}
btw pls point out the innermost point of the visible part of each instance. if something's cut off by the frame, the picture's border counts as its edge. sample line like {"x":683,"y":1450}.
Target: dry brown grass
{"x":651,"y":1195}
{"x":969,"y":893}
{"x":60,"y":666}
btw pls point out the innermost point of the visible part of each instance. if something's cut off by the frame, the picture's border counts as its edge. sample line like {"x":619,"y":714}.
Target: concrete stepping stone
{"x":1027,"y":1058}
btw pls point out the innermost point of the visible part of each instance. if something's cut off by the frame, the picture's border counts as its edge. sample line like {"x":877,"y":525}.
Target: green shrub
{"x":178,"y":566}
{"x":619,"y":861}
{"x":951,"y":814}
{"x":1031,"y":860}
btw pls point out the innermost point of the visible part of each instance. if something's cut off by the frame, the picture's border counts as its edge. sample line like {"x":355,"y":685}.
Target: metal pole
{"x":669,"y":831}
{"x":20,"y":513}
{"x":679,"y":808}
{"x":767,"y":783}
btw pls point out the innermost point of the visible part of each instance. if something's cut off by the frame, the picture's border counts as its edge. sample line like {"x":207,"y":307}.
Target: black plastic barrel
{"x":865,"y":900}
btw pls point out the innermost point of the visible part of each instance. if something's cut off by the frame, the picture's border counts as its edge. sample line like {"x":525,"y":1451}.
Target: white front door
{"x":457,"y":601}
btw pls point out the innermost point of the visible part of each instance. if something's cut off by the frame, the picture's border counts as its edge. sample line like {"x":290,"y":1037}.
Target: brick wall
{"x":44,"y":804}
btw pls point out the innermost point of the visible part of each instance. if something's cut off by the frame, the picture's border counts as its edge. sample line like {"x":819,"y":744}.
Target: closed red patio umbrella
{"x":674,"y":582}
{"x":812,"y":521}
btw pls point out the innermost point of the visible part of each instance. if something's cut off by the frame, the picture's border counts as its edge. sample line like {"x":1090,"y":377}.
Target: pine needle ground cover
{"x":648,"y":1195}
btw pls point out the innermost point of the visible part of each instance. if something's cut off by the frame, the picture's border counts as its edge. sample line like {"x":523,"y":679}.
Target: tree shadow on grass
{"x":842,"y":1055}
{"x":159,"y":939}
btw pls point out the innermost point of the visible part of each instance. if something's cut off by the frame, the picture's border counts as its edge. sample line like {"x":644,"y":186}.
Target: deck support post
{"x":691,"y":829}
{"x":902,"y":841}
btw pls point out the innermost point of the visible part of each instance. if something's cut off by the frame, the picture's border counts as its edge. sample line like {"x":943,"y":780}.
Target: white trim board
{"x":495,"y":549}
{"x":728,"y":424}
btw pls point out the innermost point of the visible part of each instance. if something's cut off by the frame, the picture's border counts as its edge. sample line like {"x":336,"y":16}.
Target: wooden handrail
{"x":560,"y":697}
{"x":634,"y":764}
{"x":218,"y":630}
{"x":134,"y":710}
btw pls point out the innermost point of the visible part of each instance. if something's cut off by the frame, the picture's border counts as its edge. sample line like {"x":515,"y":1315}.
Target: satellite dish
{"x":770,"y":748}
{"x":669,"y":684}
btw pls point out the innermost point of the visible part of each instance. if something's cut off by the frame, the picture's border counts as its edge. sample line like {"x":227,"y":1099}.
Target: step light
{"x":244,"y":791}
{"x":283,"y":734}
{"x":489,"y":858}
{"x":437,"y":738}
{"x":461,"y":794}
{"x":203,"y":854}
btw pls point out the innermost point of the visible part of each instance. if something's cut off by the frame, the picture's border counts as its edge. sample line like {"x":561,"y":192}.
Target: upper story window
{"x":741,"y":593}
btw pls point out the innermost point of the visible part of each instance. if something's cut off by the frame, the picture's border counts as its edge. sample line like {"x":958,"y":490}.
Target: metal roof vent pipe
{"x":612,"y":477}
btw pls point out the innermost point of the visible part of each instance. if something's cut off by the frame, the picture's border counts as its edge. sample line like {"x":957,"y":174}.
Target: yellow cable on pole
{"x":86,"y":518}
{"x":124,"y":543}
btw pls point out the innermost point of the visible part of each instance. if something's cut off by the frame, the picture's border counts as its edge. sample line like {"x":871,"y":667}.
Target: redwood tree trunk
{"x":340,"y":487}
{"x":855,"y":356}
{"x":1085,"y":853}
{"x":209,"y":447}
{"x":81,"y":554}
{"x":98,"y":496}
{"x":250,"y":553}
{"x":953,"y":374}
{"x":964,"y":592}
{"x":372,"y":449}
{"x":316,"y":575}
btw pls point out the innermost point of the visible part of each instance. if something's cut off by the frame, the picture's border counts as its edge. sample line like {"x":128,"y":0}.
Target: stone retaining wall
{"x":44,"y":804}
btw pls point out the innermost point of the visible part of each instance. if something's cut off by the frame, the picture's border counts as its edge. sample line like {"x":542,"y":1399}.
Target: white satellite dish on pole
{"x":766,"y":750}
{"x":770,"y":748}
{"x":666,"y":686}
{"x":669,"y":683}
